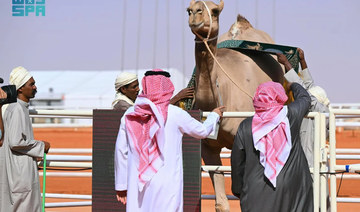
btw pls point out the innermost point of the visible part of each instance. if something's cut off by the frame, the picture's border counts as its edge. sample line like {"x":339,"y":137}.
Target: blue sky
{"x":90,"y":35}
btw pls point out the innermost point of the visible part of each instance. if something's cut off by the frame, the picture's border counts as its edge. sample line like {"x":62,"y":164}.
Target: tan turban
{"x":124,"y":78}
{"x":19,"y":76}
{"x":320,"y":95}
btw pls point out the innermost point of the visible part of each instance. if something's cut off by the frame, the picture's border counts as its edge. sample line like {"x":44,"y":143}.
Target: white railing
{"x":340,"y":122}
{"x":66,"y":164}
{"x":320,"y":153}
{"x":333,"y":166}
{"x":70,"y":150}
{"x":355,"y":106}
{"x":62,"y":113}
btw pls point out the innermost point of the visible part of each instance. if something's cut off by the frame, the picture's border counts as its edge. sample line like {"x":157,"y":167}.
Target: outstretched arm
{"x":185,"y":93}
{"x":290,"y":74}
{"x":304,"y":73}
{"x":301,"y":103}
{"x":283,"y":60}
{"x":196,"y":129}
{"x":302,"y":59}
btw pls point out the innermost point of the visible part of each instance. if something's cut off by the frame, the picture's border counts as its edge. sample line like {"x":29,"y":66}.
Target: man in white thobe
{"x":148,"y":152}
{"x":19,"y":177}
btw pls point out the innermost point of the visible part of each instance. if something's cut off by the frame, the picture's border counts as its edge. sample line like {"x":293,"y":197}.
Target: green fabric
{"x":188,"y":103}
{"x":290,"y":52}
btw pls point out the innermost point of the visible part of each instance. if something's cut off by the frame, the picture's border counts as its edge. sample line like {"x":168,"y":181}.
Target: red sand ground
{"x":82,"y":138}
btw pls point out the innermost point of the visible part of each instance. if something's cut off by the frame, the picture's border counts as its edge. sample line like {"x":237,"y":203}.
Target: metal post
{"x":44,"y":183}
{"x":323,"y":163}
{"x":316,"y":172}
{"x":332,"y":141}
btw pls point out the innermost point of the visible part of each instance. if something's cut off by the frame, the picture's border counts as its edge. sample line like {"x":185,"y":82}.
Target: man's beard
{"x":34,"y":92}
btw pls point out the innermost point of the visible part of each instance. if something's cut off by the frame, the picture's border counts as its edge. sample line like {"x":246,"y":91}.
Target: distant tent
{"x":88,"y":89}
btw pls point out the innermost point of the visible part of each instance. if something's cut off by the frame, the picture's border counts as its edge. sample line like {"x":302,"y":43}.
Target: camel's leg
{"x":211,"y":156}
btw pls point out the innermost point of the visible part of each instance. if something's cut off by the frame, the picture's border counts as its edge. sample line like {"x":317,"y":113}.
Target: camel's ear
{"x":221,"y":5}
{"x":192,"y":3}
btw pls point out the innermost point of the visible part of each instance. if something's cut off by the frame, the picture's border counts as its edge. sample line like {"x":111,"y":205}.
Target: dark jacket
{"x":294,"y":190}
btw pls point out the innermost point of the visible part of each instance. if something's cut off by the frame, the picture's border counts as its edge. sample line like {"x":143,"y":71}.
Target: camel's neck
{"x":204,"y":60}
{"x":204,"y":71}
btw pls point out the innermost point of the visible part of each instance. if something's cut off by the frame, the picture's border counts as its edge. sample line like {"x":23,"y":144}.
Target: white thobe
{"x":164,"y":192}
{"x":19,"y":177}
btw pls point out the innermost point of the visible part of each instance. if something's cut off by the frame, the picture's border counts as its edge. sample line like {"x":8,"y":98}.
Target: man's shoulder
{"x":13,"y":107}
{"x":175,"y":112}
{"x":175,"y":109}
{"x":121,"y":105}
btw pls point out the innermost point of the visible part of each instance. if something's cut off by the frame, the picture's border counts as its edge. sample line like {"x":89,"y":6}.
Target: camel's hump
{"x":243,"y":22}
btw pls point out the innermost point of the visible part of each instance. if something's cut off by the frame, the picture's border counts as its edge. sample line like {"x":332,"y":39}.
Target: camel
{"x":237,"y":75}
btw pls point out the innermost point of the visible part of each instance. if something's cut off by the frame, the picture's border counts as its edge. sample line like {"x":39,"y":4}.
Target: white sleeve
{"x":121,"y":157}
{"x":291,"y":76}
{"x":308,"y":80}
{"x":196,"y":129}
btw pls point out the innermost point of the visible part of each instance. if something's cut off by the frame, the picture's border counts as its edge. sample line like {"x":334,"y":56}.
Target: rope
{"x":205,"y":40}
{"x":211,"y":39}
{"x":342,"y":174}
{"x":207,"y":8}
{"x":207,"y":46}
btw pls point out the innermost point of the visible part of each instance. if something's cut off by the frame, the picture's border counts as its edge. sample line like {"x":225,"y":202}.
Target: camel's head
{"x":199,"y":18}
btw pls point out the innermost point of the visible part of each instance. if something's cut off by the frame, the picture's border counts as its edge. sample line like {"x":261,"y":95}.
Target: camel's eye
{"x":199,"y":11}
{"x":189,"y":11}
{"x":215,"y":12}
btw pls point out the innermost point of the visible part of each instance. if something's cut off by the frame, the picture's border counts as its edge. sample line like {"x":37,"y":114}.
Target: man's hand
{"x":121,"y":196}
{"x":47,"y":146}
{"x":219,"y":110}
{"x":302,"y":59}
{"x":301,"y":54}
{"x":185,"y":93}
{"x":3,"y":94}
{"x":283,"y":60}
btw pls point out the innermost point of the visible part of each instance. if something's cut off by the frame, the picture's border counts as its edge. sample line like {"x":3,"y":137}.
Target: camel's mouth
{"x":197,"y":26}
